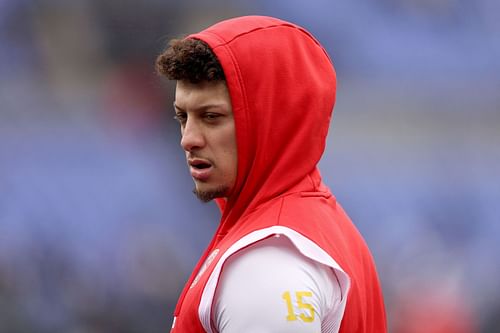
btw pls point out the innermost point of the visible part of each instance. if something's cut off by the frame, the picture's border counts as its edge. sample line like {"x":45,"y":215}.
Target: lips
{"x":200,"y":168}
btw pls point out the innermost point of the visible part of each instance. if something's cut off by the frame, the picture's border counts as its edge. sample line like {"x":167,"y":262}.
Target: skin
{"x":206,"y":120}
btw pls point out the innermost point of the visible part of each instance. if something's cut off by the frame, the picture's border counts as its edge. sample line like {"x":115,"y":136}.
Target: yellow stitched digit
{"x":307,"y":306}
{"x":288,"y":299}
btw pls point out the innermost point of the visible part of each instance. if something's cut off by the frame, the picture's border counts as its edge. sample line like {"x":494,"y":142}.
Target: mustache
{"x":198,"y":157}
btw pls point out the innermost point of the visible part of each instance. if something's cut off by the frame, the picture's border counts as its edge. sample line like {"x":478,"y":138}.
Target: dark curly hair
{"x":191,"y":60}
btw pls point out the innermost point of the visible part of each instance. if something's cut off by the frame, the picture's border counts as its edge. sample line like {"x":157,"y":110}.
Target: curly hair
{"x":191,"y":60}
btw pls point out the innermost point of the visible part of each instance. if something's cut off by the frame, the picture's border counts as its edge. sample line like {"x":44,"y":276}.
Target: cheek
{"x":234,"y":160}
{"x":230,"y":157}
{"x":228,"y":144}
{"x":234,"y":154}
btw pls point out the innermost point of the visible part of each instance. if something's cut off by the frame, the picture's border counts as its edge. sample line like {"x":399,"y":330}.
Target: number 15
{"x":300,"y":305}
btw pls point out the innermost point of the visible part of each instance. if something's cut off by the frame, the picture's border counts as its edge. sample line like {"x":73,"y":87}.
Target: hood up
{"x":282,"y":86}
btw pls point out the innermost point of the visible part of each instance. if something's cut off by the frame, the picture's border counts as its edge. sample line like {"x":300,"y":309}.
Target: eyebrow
{"x":202,"y":107}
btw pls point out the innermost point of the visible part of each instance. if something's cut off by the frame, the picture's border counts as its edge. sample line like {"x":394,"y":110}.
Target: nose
{"x":192,"y":136}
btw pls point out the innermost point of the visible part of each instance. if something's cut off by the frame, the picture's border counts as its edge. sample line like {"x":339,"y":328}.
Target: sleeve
{"x":271,"y":287}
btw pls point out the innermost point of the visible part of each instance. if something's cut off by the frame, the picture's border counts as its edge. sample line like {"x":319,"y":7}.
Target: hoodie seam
{"x":262,"y":28}
{"x":280,"y":210}
{"x":312,"y":182}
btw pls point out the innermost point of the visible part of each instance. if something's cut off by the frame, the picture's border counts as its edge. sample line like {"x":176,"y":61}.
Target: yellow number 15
{"x":300,"y":305}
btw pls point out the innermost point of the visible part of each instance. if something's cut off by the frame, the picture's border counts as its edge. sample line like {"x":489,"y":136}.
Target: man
{"x":254,"y":98}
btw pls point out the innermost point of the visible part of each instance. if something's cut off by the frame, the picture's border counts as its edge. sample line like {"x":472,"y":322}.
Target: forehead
{"x":194,"y":95}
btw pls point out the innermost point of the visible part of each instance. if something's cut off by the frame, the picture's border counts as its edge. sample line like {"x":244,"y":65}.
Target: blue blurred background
{"x":98,"y":226}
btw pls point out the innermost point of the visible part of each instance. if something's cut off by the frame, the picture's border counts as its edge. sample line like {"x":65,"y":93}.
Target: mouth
{"x":200,"y":169}
{"x":200,"y":165}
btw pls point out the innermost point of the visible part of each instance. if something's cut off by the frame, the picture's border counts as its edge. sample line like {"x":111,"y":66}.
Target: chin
{"x":206,"y":194}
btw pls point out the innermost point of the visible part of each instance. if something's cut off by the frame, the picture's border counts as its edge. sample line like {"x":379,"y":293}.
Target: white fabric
{"x":305,"y":246}
{"x":271,"y":287}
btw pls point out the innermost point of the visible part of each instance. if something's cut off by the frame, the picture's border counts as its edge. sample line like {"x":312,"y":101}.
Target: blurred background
{"x":98,"y":225}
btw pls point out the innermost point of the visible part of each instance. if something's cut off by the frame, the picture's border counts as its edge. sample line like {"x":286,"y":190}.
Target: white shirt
{"x":271,"y":287}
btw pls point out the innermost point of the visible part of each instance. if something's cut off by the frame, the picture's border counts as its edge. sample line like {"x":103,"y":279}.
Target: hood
{"x":282,"y":86}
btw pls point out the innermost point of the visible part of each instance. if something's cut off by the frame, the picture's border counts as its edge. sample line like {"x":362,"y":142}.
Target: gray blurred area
{"x":98,"y":225}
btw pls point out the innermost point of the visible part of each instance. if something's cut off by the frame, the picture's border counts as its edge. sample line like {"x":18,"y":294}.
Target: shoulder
{"x":271,"y":286}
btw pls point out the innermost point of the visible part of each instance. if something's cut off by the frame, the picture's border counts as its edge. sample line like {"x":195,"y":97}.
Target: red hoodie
{"x":282,"y":86}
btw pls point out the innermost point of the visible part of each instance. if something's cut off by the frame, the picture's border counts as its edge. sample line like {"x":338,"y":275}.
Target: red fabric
{"x":282,"y":86}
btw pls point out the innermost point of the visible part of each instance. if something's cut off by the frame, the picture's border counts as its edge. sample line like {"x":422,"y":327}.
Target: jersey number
{"x":299,"y":295}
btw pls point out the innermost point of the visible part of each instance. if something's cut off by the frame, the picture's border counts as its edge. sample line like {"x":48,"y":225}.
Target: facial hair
{"x":206,"y":196}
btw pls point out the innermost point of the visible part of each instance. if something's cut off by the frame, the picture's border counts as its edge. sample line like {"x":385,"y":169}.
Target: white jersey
{"x":271,"y":287}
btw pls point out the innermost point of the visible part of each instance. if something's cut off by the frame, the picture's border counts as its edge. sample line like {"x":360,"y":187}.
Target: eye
{"x":181,"y":117}
{"x":211,"y":117}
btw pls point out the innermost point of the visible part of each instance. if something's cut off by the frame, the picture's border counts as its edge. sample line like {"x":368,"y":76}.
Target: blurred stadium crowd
{"x":98,"y":226}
